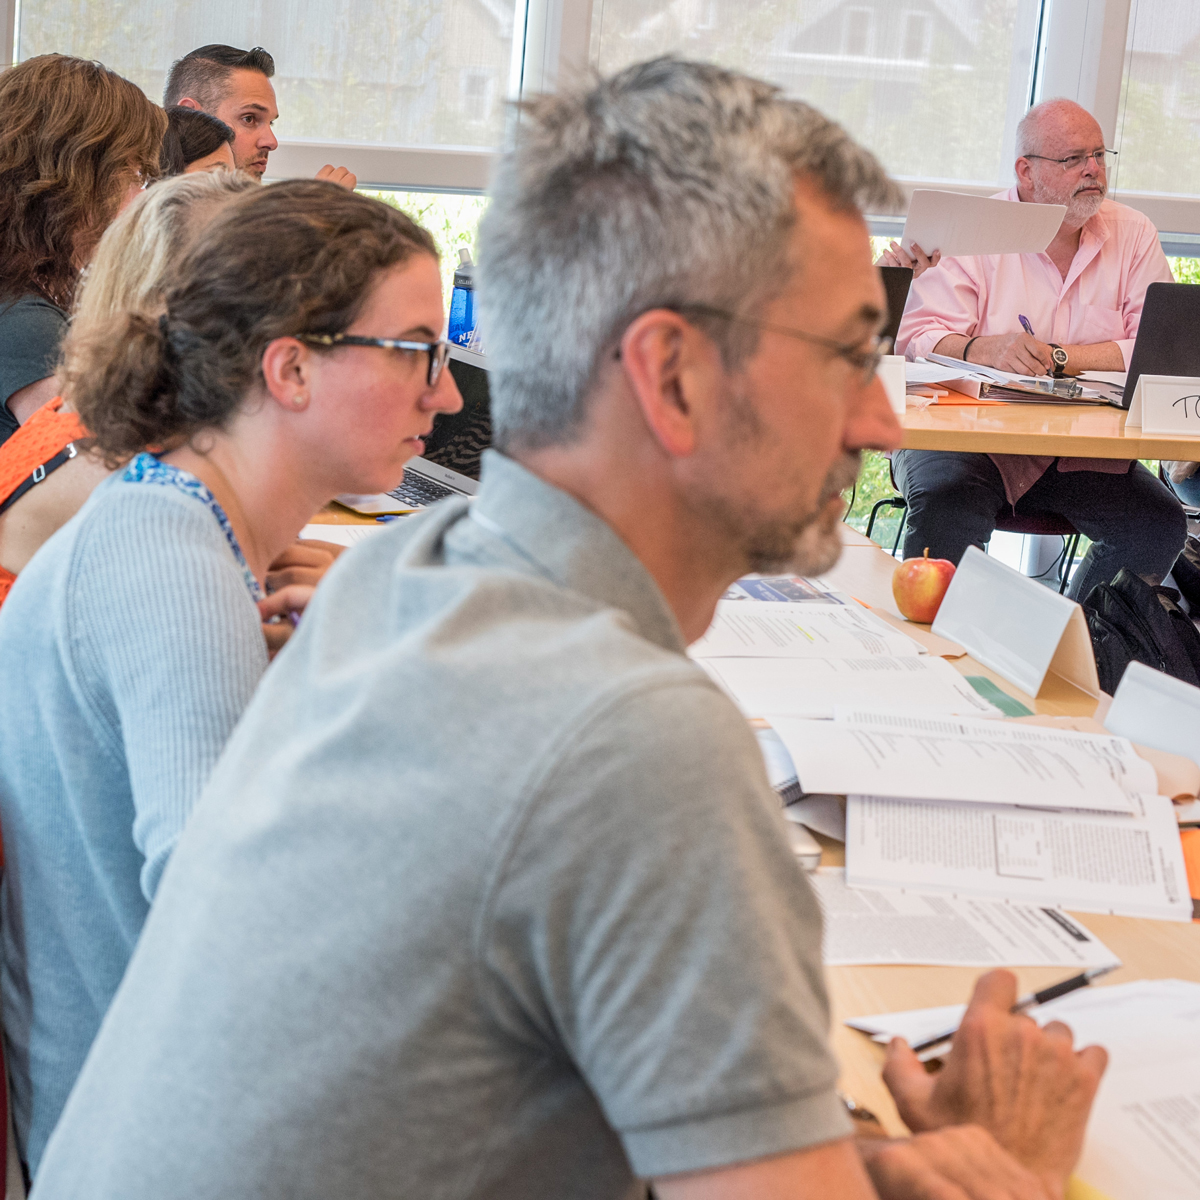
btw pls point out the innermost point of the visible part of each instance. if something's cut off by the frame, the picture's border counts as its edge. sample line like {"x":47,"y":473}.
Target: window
{"x":940,"y":103}
{"x":1158,"y":123}
{"x":380,"y":72}
{"x":857,"y":27}
{"x":917,"y":30}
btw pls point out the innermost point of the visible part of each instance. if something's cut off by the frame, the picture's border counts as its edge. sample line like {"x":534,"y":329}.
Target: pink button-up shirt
{"x":1100,"y":300}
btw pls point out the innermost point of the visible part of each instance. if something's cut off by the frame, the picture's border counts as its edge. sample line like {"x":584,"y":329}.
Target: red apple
{"x":919,"y":585}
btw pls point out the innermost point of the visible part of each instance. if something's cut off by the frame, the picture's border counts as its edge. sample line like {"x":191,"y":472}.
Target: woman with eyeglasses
{"x":298,"y":358}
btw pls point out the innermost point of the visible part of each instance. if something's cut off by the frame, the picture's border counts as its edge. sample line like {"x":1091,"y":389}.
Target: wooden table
{"x":1149,"y":949}
{"x":1069,"y":430}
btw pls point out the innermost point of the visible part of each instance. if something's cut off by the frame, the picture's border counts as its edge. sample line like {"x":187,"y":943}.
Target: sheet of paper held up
{"x":920,"y":757}
{"x":1143,"y":1137}
{"x":890,"y":925}
{"x":767,"y":629}
{"x":957,"y":224}
{"x":813,"y":687}
{"x":1129,"y":866}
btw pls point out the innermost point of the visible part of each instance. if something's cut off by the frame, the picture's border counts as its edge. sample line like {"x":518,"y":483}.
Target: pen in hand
{"x":1025,"y":325}
{"x":1032,"y":1000}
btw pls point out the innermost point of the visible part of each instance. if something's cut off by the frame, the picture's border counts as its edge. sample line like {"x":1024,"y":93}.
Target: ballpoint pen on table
{"x":1025,"y":325}
{"x":1033,"y":999}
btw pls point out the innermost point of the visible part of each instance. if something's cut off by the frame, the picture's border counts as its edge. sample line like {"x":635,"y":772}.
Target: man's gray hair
{"x":671,"y":183}
{"x":1030,"y":139}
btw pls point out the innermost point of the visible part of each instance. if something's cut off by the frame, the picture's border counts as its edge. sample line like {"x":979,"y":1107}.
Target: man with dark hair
{"x":235,"y":86}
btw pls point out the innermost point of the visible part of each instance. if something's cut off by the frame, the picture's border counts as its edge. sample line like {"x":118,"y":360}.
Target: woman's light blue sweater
{"x":129,"y":648}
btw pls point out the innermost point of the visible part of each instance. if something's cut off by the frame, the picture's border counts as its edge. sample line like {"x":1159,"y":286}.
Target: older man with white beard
{"x":1073,"y":308}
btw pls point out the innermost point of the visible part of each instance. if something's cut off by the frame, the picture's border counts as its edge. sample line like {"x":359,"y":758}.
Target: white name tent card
{"x":1013,"y":624}
{"x":1166,"y":404}
{"x":1157,"y":711}
{"x":958,"y":224}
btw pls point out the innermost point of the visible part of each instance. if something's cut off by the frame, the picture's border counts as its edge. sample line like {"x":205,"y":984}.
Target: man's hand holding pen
{"x":1027,"y":1086}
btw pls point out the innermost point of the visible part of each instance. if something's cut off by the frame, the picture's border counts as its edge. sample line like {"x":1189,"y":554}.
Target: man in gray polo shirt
{"x":489,"y":895}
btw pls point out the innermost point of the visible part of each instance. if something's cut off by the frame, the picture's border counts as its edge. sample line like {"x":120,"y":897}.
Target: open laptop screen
{"x":896,"y":282}
{"x":459,"y":439}
{"x":1168,"y":338}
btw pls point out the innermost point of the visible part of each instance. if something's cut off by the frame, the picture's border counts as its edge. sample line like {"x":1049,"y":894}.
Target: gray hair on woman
{"x":670,"y":183}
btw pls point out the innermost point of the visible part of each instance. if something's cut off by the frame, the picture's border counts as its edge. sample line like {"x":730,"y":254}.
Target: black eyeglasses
{"x":438,"y":351}
{"x":865,"y":361}
{"x":1074,"y":161}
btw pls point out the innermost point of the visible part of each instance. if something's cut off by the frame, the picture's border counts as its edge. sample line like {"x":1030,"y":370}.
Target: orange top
{"x":44,"y":435}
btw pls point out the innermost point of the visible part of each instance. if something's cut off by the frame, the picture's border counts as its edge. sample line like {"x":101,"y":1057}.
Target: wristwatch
{"x":1060,"y":360}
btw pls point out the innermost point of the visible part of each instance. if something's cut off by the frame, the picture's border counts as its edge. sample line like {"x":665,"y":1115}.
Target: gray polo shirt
{"x":487,"y":897}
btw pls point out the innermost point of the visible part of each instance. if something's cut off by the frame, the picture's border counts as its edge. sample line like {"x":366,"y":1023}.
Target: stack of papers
{"x":895,"y":925}
{"x":987,"y":385}
{"x":992,"y":810}
{"x":1143,"y":1139}
{"x":803,"y":658}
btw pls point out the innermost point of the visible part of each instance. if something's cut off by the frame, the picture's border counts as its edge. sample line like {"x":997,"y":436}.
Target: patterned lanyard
{"x":145,"y":468}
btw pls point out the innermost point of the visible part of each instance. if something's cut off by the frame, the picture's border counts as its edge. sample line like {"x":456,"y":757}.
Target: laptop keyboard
{"x":418,"y":491}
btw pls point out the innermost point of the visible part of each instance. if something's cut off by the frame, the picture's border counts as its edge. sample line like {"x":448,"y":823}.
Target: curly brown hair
{"x":295,"y":257}
{"x":73,"y":136}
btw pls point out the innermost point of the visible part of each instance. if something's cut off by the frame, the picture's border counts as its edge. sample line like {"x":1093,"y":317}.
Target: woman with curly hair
{"x":77,"y":143}
{"x":295,"y":356}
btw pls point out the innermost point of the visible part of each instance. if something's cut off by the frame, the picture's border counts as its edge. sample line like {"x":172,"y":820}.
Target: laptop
{"x":1168,"y":338}
{"x":424,"y":483}
{"x":896,"y":282}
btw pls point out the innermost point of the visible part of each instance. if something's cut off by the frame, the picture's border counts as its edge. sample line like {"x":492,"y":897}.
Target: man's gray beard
{"x":1082,"y":209}
{"x":809,"y":545}
{"x":1079,"y":211}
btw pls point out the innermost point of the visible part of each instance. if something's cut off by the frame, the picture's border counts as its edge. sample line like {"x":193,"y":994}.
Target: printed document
{"x":1129,"y":866}
{"x":342,"y":535}
{"x":1143,"y":1138}
{"x":770,"y":629}
{"x":892,"y":925}
{"x":921,"y":757}
{"x":783,"y":588}
{"x":813,"y":687}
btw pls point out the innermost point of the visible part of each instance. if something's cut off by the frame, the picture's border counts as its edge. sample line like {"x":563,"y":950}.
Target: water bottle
{"x":462,"y":301}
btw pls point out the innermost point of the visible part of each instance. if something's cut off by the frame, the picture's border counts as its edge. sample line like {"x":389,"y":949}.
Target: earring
{"x":299,"y":400}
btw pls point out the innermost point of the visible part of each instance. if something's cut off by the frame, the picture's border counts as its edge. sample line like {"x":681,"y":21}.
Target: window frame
{"x":1081,"y":54}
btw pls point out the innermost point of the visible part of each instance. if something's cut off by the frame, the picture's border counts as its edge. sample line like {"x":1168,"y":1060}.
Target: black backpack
{"x":1186,"y":572}
{"x":1130,"y":621}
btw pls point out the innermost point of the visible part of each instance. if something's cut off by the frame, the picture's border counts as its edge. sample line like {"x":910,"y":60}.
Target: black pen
{"x":1032,"y":1000}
